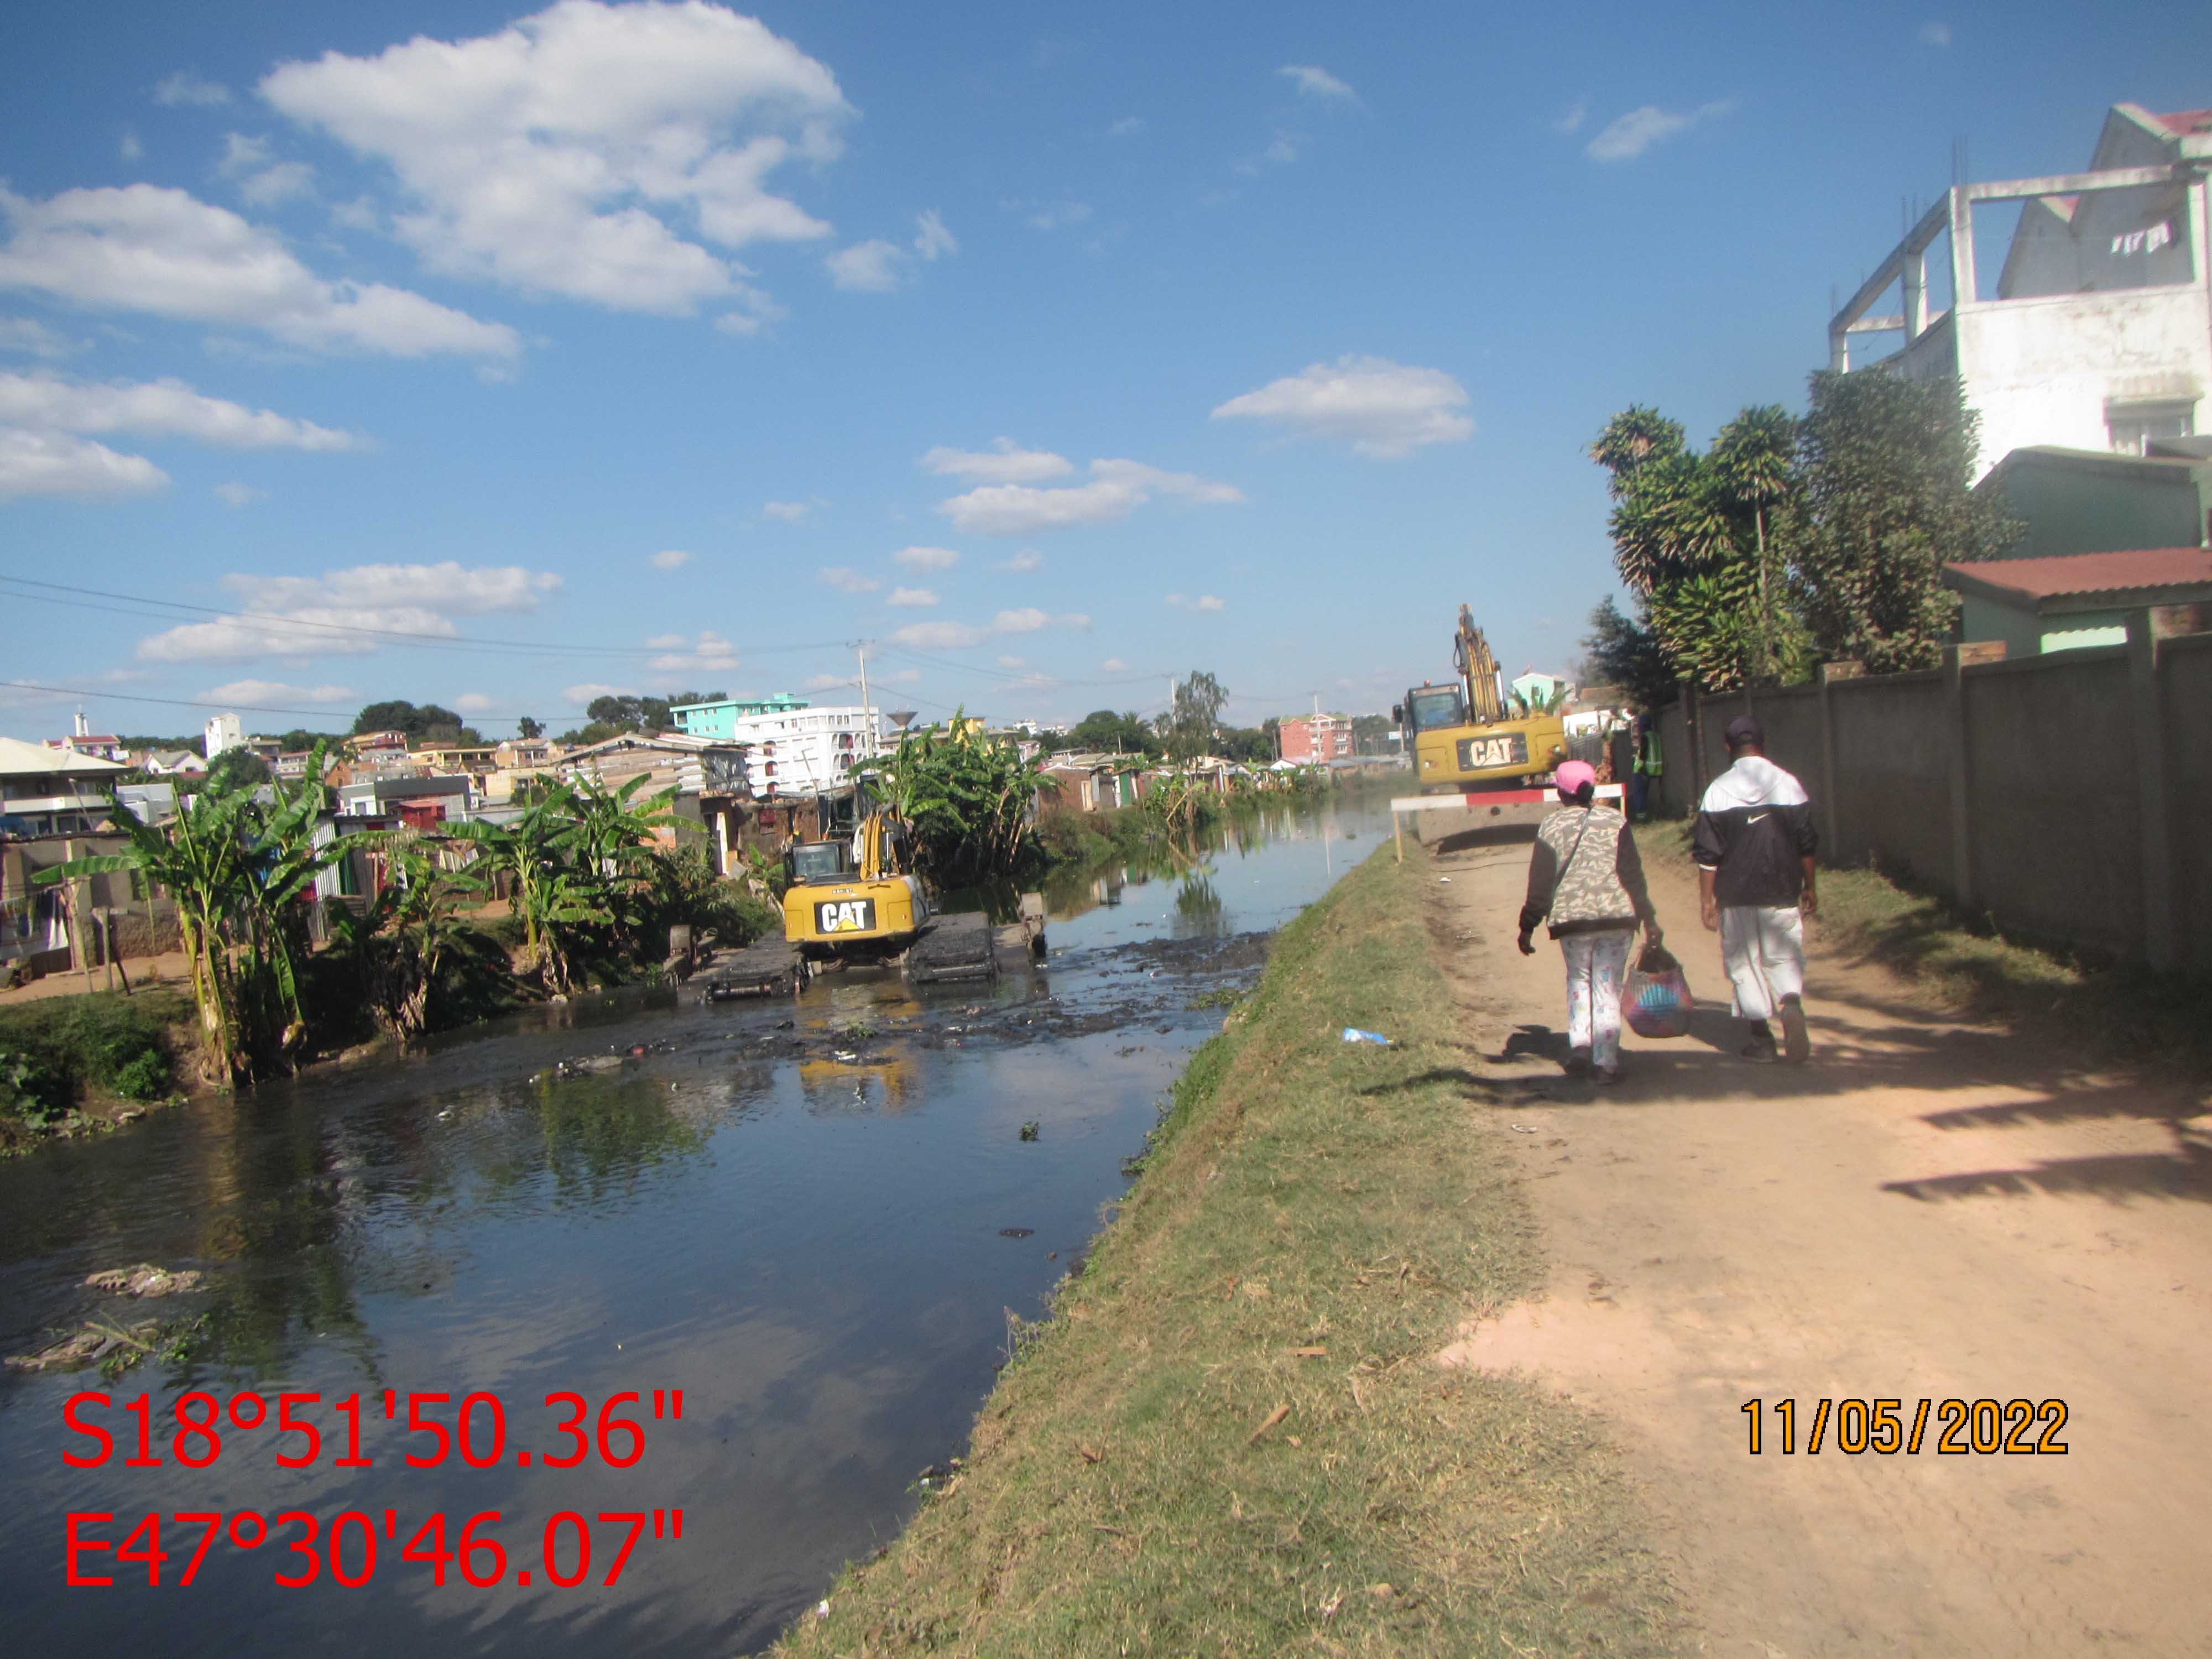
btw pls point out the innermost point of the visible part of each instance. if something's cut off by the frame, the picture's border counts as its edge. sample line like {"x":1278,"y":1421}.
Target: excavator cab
{"x":855,"y":900}
{"x":1469,"y":735}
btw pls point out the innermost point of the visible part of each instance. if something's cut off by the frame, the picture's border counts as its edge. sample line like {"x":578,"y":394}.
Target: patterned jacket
{"x":1584,"y":874}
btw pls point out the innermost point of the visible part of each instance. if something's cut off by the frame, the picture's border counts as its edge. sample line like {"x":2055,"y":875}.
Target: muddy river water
{"x":813,"y":1217}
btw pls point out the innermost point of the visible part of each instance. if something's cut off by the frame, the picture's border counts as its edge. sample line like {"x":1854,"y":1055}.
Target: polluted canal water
{"x":813,"y":1217}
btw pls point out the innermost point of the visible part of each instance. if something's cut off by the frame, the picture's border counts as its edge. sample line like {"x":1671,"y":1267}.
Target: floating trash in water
{"x":1029,"y":1130}
{"x":1016,"y":1232}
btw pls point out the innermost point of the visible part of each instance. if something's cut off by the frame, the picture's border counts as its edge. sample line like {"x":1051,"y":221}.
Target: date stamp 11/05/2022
{"x":1981,"y":1428}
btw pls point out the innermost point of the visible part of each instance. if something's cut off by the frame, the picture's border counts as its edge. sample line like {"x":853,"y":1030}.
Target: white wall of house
{"x":2100,"y":331}
{"x":803,"y":751}
{"x":223,"y":732}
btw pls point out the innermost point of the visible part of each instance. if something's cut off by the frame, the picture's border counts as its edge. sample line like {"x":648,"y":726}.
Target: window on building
{"x":2133,"y":425}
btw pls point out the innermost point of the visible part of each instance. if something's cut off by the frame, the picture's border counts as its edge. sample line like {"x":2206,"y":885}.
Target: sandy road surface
{"x":1928,"y":1210}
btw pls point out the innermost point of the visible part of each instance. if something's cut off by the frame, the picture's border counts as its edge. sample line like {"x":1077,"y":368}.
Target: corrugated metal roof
{"x":18,"y":756}
{"x":2133,"y":571}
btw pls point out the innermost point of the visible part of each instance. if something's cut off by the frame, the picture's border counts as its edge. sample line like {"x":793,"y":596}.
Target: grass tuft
{"x":1231,"y":1436}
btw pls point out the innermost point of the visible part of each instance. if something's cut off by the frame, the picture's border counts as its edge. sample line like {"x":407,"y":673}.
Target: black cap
{"x":1746,"y":729}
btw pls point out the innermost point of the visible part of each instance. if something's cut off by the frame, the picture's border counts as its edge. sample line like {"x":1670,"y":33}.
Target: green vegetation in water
{"x":1231,"y":1436}
{"x":2111,"y":1014}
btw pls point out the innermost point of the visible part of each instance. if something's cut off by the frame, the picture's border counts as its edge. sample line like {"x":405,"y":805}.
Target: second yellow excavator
{"x":1470,"y":735}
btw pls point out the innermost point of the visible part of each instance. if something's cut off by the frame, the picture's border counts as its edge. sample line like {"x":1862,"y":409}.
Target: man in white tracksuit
{"x":1754,"y":845}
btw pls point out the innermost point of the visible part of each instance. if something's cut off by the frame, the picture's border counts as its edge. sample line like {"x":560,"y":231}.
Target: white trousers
{"x":1764,"y":946}
{"x":1597,"y":964}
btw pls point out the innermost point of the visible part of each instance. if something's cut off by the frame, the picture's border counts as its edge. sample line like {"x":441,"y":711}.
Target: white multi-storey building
{"x":223,"y":733}
{"x":803,"y":751}
{"x":2097,"y":331}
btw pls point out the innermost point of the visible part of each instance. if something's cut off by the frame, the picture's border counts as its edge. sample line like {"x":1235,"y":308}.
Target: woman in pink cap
{"x":1585,"y":878}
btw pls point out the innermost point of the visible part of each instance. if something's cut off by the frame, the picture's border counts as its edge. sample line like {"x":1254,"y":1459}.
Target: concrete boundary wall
{"x":2066,"y":797}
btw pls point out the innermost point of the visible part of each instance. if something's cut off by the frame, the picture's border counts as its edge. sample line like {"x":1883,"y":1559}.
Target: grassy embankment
{"x":74,"y":1062}
{"x":2111,"y":1014}
{"x":1231,"y":1437}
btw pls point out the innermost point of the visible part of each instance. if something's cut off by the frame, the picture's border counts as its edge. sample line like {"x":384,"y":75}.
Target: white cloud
{"x":913,"y":598}
{"x":710,"y":654}
{"x":360,"y":214}
{"x":1013,"y":662}
{"x":1117,"y":488}
{"x":1052,"y":218}
{"x":241,"y":494}
{"x":871,"y":267}
{"x":1005,"y":462}
{"x":1030,"y":620}
{"x":1203,"y":602}
{"x":1113,"y":665}
{"x":1382,"y":409}
{"x":846,"y":579}
{"x":56,"y":464}
{"x":1127,"y":127}
{"x":143,"y":247}
{"x":295,"y":618}
{"x":156,"y":409}
{"x":569,"y":153}
{"x":1575,"y":114}
{"x":274,"y":693}
{"x":788,"y":512}
{"x":578,"y":697}
{"x":472,"y":702}
{"x":1936,"y":34}
{"x":278,"y":184}
{"x":35,"y":338}
{"x":931,"y":239}
{"x":1027,"y":559}
{"x":877,"y":266}
{"x":926,"y":558}
{"x":940,"y":635}
{"x":128,"y":146}
{"x":674,"y":558}
{"x":951,"y":635}
{"x":1627,"y":137}
{"x":186,"y":87}
{"x":1316,"y":83}
{"x":830,"y":682}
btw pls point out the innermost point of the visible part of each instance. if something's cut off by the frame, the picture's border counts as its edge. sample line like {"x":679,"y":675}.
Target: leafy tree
{"x":412,"y":929}
{"x":627,"y":713}
{"x":235,"y":868}
{"x":1370,"y":734}
{"x":1701,"y":539}
{"x":1194,"y":720}
{"x":967,"y":797}
{"x":530,"y":729}
{"x":237,"y":768}
{"x":1121,"y":734}
{"x":427,"y":722}
{"x":1625,"y":650}
{"x":1888,"y":462}
{"x":1248,"y":744}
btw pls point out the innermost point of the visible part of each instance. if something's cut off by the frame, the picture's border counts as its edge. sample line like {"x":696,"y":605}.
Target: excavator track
{"x":954,"y":948}
{"x":766,"y":968}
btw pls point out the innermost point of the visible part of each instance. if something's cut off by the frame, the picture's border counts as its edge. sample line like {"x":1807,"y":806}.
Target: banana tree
{"x":409,"y":931}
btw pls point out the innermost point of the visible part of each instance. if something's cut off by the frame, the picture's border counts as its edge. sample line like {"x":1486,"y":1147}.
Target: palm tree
{"x":1756,"y":457}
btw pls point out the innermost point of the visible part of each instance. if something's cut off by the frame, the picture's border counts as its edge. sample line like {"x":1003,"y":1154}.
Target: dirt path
{"x":1928,"y":1210}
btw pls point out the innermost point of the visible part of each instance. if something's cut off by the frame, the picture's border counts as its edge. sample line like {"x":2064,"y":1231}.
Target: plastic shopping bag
{"x":1656,"y":1000}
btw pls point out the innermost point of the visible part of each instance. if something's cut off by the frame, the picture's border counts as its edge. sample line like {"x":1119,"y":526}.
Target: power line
{"x":157,"y":610}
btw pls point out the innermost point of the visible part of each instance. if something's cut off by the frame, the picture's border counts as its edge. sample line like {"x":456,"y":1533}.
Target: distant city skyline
{"x":643,"y":348}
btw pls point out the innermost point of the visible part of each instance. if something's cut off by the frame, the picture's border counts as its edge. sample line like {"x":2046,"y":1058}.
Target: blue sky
{"x":489,"y":357}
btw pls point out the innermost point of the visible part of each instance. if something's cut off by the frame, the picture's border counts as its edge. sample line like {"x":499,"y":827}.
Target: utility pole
{"x":866,"y":714}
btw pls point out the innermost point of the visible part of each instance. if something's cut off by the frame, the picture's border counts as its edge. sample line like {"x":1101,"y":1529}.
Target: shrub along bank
{"x":60,"y":1053}
{"x":1231,"y":1436}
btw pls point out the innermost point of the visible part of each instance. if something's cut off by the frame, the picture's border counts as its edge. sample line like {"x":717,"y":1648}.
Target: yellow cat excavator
{"x":1470,"y":734}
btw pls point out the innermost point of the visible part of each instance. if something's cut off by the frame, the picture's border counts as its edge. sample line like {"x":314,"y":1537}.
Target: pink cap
{"x":1571,"y":776}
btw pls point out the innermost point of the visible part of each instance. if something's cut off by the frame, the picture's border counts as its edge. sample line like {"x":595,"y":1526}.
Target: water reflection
{"x":810,"y":1238}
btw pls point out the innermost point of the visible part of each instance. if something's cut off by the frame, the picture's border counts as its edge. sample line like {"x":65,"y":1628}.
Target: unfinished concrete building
{"x":2096,"y":331}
